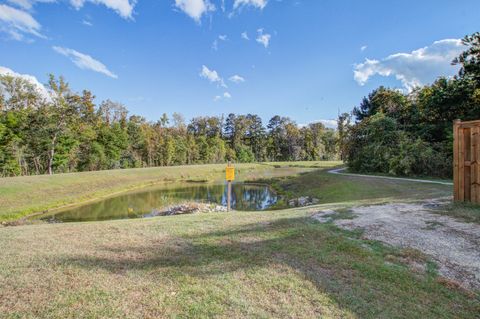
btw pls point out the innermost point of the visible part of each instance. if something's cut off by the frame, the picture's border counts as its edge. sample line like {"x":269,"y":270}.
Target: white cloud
{"x":212,"y":76}
{"x":24,"y":4}
{"x":328,"y":123}
{"x":195,"y":9}
{"x":416,"y":68}
{"x":236,"y":79}
{"x":84,"y":61}
{"x":260,"y":4}
{"x":17,"y":23}
{"x":30,"y":78}
{"x":123,"y":7}
{"x":263,"y":38}
{"x":87,"y":23}
{"x":363,"y":48}
{"x":221,"y":37}
{"x":28,"y":4}
{"x":225,"y":96}
{"x":244,"y":35}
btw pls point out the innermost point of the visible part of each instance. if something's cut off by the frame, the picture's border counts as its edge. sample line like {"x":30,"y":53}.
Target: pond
{"x":145,"y":202}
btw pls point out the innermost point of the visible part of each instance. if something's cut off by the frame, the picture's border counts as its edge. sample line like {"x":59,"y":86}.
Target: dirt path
{"x":454,"y":245}
{"x":340,"y":171}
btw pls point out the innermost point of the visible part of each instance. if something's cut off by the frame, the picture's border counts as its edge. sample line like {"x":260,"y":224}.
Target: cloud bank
{"x":40,"y":88}
{"x":416,"y":68}
{"x":17,"y":20}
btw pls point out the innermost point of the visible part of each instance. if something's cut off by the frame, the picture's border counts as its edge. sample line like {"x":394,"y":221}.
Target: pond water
{"x":143,"y":203}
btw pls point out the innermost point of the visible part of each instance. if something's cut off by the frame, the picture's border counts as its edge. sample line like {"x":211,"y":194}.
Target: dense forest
{"x":67,"y":132}
{"x":411,"y":133}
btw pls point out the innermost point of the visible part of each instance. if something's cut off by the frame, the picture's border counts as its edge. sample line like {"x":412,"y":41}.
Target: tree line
{"x":411,"y":133}
{"x":67,"y":132}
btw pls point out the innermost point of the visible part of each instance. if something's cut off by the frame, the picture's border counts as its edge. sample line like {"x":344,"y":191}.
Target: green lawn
{"x":331,"y":188}
{"x":279,"y":264}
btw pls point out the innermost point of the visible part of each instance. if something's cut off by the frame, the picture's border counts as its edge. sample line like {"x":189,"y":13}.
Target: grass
{"x":252,"y":264}
{"x":305,"y":164}
{"x":464,"y":211}
{"x":330,"y":188}
{"x":20,"y":196}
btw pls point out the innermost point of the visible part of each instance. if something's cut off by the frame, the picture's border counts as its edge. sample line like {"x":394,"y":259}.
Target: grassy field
{"x":254,"y":264}
{"x":354,"y":190}
{"x":330,"y":188}
{"x":20,"y":196}
{"x":244,"y":264}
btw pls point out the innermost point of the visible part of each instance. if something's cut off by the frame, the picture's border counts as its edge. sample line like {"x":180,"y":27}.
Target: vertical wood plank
{"x":477,"y":165}
{"x":473,"y":164}
{"x":461,"y":165}
{"x":456,"y":125}
{"x":466,"y":161}
{"x":467,"y":158}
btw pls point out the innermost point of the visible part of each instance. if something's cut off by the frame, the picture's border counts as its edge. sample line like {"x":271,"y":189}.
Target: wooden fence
{"x":466,"y":161}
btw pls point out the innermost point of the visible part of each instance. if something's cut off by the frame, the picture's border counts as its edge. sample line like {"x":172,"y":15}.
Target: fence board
{"x":477,"y":165}
{"x":473,"y":164}
{"x":456,"y":126}
{"x":466,"y":161}
{"x":461,"y":165}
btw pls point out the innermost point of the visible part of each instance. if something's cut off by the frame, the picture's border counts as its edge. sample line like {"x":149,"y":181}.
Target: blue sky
{"x":306,"y":59}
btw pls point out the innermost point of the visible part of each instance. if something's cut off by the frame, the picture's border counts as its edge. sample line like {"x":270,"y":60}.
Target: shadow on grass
{"x":353,"y":274}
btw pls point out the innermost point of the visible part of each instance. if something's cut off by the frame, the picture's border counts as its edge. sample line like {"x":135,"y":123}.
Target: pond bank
{"x":26,"y":195}
{"x":175,"y":198}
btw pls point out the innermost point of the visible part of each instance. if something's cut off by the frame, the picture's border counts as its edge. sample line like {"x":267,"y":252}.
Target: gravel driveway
{"x":453,"y":244}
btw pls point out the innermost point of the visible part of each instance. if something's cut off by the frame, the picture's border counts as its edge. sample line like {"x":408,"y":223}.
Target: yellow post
{"x":229,"y":176}
{"x":229,"y":194}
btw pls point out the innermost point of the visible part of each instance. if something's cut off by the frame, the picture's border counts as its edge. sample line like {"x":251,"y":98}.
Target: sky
{"x":306,"y":59}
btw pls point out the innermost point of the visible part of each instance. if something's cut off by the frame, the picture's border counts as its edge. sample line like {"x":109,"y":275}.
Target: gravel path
{"x":454,"y":245}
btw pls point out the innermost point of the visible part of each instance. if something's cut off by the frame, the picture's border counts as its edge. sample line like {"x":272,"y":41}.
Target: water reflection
{"x":140,"y":203}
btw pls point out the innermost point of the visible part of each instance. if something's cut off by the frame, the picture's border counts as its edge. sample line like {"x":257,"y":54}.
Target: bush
{"x":376,"y":144}
{"x":372,"y":143}
{"x":414,"y":157}
{"x":245,"y":154}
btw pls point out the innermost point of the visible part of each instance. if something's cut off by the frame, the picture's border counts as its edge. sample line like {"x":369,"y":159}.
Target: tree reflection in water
{"x":139,"y":203}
